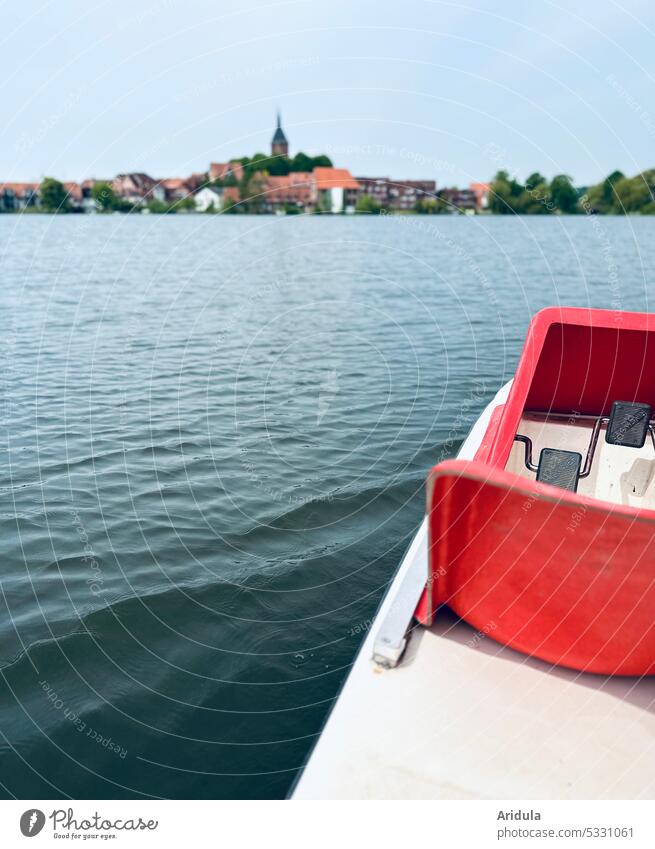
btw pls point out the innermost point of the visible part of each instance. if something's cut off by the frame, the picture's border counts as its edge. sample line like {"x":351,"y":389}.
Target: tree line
{"x":615,"y":195}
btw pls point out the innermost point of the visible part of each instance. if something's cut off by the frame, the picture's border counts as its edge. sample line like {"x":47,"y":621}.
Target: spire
{"x":279,"y":143}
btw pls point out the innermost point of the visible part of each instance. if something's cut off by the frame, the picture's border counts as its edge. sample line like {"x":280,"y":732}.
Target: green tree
{"x":302,"y":162}
{"x":534,"y":180}
{"x":187,"y":204}
{"x":431,"y":206}
{"x":367,"y":205}
{"x":602,"y":197}
{"x":633,"y":195}
{"x":322,"y":161}
{"x":536,"y":199}
{"x":608,"y":184}
{"x":54,"y":197}
{"x":158,"y":207}
{"x":104,"y":197}
{"x":563,"y":195}
{"x":277,"y":166}
{"x":504,"y":194}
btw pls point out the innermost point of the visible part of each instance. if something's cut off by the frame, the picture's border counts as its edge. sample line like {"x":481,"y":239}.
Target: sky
{"x":398,"y":88}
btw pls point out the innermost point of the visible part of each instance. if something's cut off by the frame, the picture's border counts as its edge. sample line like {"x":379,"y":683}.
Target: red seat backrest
{"x":553,"y":574}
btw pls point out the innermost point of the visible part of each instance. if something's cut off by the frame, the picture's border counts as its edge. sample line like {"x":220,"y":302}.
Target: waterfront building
{"x":17,"y":196}
{"x":197,"y":180}
{"x":459,"y":200}
{"x":88,"y":204}
{"x":376,"y":188}
{"x":138,"y":188}
{"x":176,"y":188}
{"x":232,"y":170}
{"x":481,"y":192}
{"x":396,"y":194}
{"x":209,"y":197}
{"x":74,"y":195}
{"x":334,"y":190}
{"x":294,"y":189}
{"x":405,"y":194}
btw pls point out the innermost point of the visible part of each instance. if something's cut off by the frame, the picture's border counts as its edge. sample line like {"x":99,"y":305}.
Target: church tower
{"x":279,"y":143}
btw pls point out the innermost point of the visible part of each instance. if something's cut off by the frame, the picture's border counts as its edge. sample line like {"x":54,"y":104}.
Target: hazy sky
{"x":400,"y":88}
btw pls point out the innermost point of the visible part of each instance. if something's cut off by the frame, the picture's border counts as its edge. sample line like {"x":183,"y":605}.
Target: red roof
{"x":19,"y":188}
{"x":220,"y":170}
{"x":334,"y":178}
{"x":172,"y":183}
{"x":74,"y":190}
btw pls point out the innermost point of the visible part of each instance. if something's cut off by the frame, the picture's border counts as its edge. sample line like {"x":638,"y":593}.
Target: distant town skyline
{"x":419,"y":90}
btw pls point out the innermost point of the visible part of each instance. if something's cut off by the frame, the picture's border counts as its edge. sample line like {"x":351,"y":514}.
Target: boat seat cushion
{"x":628,"y":424}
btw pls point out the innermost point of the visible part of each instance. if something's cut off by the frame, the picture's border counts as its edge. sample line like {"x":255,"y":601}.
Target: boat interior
{"x":581,"y":409}
{"x":590,"y":454}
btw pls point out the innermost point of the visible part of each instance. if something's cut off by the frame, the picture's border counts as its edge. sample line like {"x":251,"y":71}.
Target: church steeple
{"x":279,"y":143}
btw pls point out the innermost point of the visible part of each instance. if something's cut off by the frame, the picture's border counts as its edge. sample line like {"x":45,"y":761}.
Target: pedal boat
{"x":513,"y":654}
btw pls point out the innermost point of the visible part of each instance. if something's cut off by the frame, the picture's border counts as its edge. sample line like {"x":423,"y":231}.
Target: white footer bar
{"x":186,"y":824}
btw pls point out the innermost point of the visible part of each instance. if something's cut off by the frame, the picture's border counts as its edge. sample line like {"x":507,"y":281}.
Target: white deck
{"x":462,"y":717}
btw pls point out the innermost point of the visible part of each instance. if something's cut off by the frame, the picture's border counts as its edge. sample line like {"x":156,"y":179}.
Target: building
{"x":396,"y":194}
{"x":17,"y":196}
{"x":334,"y":190}
{"x":232,"y":170}
{"x":176,"y":188}
{"x":208,"y":198}
{"x":481,"y":192}
{"x":405,"y":194}
{"x":376,"y":188}
{"x":295,"y":189}
{"x":74,"y":195}
{"x":138,"y":188}
{"x":279,"y":143}
{"x":216,"y":198}
{"x":197,"y":180}
{"x":88,"y":203}
{"x":459,"y":200}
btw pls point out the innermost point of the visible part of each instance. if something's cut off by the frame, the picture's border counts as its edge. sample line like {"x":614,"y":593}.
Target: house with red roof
{"x":74,"y":194}
{"x":176,"y":188}
{"x":334,"y":190}
{"x":226,"y":170}
{"x":15,"y":196}
{"x":138,"y":188}
{"x":481,"y":192}
{"x":294,"y":189}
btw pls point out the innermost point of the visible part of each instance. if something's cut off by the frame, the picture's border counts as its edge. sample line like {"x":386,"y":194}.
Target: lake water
{"x":215,"y":432}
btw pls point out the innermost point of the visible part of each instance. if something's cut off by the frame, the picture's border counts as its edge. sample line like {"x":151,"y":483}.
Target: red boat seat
{"x":556,"y":575}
